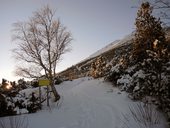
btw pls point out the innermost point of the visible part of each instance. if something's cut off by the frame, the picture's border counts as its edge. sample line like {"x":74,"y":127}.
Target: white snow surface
{"x":112,"y":45}
{"x":86,"y":103}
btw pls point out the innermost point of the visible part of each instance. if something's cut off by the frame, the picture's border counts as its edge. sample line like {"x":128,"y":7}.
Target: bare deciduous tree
{"x":41,"y":41}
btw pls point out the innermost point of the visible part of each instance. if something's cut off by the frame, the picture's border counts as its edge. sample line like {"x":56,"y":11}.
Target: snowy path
{"x":85,"y":104}
{"x":96,"y":113}
{"x":96,"y":109}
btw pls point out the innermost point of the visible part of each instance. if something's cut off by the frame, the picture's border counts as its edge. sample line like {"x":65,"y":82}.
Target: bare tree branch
{"x":161,"y":9}
{"x":163,"y":6}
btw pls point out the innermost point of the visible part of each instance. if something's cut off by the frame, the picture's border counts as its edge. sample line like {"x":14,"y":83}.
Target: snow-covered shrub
{"x":58,"y":80}
{"x":22,"y":84}
{"x":98,"y":67}
{"x":34,"y":83}
{"x":145,"y":81}
{"x":6,"y":102}
{"x":6,"y":107}
{"x":33,"y":103}
{"x":139,"y":85}
{"x":3,"y":105}
{"x":114,"y":74}
{"x":25,"y":101}
{"x":31,"y":99}
{"x":125,"y":82}
{"x":131,"y":80}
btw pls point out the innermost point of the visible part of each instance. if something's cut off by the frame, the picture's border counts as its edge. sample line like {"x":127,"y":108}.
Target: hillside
{"x":112,"y":52}
{"x":111,"y":46}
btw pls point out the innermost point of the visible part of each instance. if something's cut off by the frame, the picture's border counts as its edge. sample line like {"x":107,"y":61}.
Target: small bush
{"x":34,"y":84}
{"x":58,"y":81}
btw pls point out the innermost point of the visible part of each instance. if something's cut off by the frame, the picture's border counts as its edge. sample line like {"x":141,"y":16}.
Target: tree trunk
{"x":56,"y":95}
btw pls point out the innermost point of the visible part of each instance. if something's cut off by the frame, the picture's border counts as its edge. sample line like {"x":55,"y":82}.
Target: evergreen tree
{"x":98,"y":67}
{"x":148,"y":29}
{"x":151,"y":53}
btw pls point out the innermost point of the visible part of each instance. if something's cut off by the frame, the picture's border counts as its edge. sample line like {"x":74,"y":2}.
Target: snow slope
{"x":112,"y":46}
{"x":86,"y":103}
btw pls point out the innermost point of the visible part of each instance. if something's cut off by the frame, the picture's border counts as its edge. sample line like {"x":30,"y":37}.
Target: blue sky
{"x":93,"y":24}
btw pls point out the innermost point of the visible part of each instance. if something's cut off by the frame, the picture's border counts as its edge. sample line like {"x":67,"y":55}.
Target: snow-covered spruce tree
{"x":152,"y":55}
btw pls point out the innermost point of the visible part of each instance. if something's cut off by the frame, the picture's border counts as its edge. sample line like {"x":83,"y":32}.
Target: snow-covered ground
{"x":88,"y":103}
